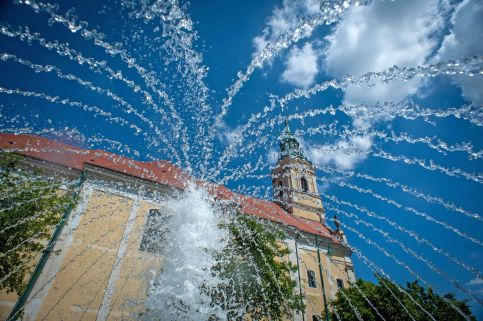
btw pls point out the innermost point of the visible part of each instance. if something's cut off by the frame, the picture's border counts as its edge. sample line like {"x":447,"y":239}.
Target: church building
{"x":99,"y":265}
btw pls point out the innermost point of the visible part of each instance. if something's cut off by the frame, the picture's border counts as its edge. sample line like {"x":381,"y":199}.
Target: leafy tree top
{"x":257,"y":276}
{"x":412,"y":302}
{"x":30,"y":206}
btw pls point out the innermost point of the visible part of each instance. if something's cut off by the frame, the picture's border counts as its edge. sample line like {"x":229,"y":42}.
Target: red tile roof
{"x":162,"y":172}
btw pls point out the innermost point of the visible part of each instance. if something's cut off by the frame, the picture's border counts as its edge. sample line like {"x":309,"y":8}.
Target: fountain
{"x":114,"y":106}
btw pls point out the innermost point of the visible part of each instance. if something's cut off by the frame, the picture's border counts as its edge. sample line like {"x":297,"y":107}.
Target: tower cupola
{"x":289,"y":146}
{"x":294,"y":181}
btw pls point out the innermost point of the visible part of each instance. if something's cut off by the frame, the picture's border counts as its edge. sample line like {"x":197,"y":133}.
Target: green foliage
{"x":30,"y":206}
{"x":255,"y":273}
{"x":389,"y":307}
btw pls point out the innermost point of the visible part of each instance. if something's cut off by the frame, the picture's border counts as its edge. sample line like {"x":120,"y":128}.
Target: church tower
{"x":294,"y":181}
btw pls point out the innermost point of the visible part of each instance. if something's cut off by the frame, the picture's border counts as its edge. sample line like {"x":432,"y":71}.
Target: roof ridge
{"x":76,"y":157}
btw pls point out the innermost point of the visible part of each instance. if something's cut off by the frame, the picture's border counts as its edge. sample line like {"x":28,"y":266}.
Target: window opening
{"x":155,"y":230}
{"x":311,"y":278}
{"x":305,"y":185}
{"x":340,"y":283}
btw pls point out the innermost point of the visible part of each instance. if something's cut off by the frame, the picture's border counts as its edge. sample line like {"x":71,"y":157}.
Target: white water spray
{"x":192,"y":237}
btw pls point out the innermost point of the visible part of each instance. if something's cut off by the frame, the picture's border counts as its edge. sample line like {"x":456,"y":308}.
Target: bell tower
{"x":294,"y":181}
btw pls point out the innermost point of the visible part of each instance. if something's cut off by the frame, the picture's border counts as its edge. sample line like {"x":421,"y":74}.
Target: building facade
{"x":324,"y":262}
{"x":99,"y":265}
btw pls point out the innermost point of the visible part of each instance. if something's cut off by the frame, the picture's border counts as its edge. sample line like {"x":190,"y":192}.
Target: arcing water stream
{"x":134,"y":78}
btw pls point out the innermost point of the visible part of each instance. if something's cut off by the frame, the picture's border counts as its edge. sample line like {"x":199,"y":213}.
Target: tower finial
{"x":289,"y":146}
{"x":287,"y":129}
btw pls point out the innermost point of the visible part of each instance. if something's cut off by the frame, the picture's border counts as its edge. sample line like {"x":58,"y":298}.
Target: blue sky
{"x":209,"y":42}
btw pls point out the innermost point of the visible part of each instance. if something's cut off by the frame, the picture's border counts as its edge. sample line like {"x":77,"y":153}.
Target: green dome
{"x":289,"y":146}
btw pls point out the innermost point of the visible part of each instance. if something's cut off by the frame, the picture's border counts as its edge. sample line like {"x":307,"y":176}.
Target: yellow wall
{"x":77,"y":289}
{"x":133,"y":283}
{"x":333,"y":268}
{"x":289,"y":172}
{"x":102,"y":275}
{"x":92,"y":280}
{"x":7,"y":301}
{"x":305,"y":214}
{"x":314,"y":298}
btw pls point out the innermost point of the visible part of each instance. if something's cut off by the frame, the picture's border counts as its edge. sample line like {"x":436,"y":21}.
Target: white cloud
{"x":379,"y":36}
{"x":364,"y":117}
{"x":301,"y":66}
{"x":463,"y":41}
{"x":284,"y":18}
{"x":226,"y":134}
{"x":322,"y":188}
{"x":476,"y":282}
{"x":272,"y":156}
{"x":344,"y":154}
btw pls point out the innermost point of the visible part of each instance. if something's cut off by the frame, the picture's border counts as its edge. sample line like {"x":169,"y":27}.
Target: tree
{"x":30,"y":206}
{"x":386,"y":303}
{"x":256,"y":277}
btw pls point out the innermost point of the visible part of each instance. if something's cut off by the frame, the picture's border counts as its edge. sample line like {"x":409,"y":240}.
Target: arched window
{"x":305,"y":185}
{"x":280,"y":191}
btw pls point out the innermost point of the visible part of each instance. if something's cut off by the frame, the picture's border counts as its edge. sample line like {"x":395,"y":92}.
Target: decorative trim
{"x":104,"y":309}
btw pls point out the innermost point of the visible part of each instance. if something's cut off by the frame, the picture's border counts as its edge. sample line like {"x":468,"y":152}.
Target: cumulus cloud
{"x":301,"y":63}
{"x":467,"y":21}
{"x":272,"y":156}
{"x":344,"y":154}
{"x":476,"y":282}
{"x":282,"y":19}
{"x":301,"y":66}
{"x":226,"y":134}
{"x":379,"y":36}
{"x":374,"y":38}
